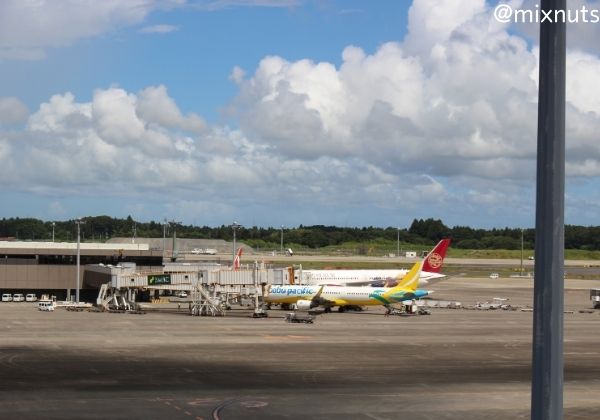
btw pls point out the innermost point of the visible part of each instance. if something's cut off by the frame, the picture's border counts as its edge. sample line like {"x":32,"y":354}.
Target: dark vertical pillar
{"x":547,"y":372}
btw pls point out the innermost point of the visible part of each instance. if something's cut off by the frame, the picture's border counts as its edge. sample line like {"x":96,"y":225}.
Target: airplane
{"x":432,"y":265}
{"x":308,"y":297}
{"x":236,"y":260}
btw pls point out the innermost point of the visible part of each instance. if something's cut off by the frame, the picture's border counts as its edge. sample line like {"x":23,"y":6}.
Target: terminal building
{"x":51,"y":267}
{"x":134,"y":271}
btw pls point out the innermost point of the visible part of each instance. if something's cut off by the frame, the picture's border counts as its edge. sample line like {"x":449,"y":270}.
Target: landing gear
{"x":347,"y":308}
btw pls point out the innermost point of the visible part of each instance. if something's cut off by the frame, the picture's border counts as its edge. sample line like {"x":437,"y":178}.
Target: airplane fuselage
{"x":341,"y":296}
{"x":362,"y":277}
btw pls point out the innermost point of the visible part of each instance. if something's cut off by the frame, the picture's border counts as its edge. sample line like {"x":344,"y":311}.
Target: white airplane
{"x":432,"y":265}
{"x":308,"y":297}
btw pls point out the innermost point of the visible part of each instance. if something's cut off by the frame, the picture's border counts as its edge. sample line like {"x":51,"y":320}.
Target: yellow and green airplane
{"x":308,"y":297}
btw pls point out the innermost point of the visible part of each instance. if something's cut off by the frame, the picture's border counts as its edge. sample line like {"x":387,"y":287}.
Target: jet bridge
{"x":210,"y":289}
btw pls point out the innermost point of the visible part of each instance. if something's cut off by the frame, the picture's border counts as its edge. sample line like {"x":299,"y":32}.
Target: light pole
{"x":165,"y":224}
{"x":281,"y":250}
{"x":53,"y":224}
{"x":398,"y":244}
{"x":78,"y":222}
{"x":235,"y":226}
{"x":174,"y":252}
{"x":521,"y":252}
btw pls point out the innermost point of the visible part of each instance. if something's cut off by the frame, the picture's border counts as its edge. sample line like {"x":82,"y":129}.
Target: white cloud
{"x":580,"y":35}
{"x":12,"y":110}
{"x":443,"y":122}
{"x":159,"y":29}
{"x":29,"y":27}
{"x":155,"y":106}
{"x":432,"y":22}
{"x":210,"y":5}
{"x":456,"y":99}
{"x":237,"y":75}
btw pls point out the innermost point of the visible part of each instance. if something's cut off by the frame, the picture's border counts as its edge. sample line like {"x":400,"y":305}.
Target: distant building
{"x":50,"y":267}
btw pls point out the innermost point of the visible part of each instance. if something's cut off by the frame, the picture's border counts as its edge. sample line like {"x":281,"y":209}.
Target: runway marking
{"x":188,"y":413}
{"x":201,"y":401}
{"x":254,"y":404}
{"x":373,"y":416}
{"x":221,"y":406}
{"x":288,"y":337}
{"x":245,"y":404}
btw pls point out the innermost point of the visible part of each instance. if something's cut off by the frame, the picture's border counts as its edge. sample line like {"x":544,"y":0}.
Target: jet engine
{"x":304,"y":305}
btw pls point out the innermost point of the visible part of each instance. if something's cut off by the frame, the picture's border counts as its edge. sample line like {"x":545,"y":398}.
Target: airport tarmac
{"x":452,"y":364}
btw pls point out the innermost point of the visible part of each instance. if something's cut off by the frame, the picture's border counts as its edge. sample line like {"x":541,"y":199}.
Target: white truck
{"x":595,"y":298}
{"x":46,"y":305}
{"x":204,"y":251}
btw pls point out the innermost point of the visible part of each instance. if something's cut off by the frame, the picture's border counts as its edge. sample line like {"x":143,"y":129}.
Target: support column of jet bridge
{"x":128,"y":285}
{"x":259,"y":310}
{"x":202,"y":303}
{"x":218,"y":289}
{"x":110,"y":296}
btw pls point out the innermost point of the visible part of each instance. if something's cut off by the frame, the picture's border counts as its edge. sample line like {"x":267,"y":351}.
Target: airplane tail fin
{"x":435,"y":259}
{"x":236,"y":260}
{"x":411,"y":280}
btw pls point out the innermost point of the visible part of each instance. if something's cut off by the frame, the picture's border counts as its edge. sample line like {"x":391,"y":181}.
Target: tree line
{"x":420,"y":232}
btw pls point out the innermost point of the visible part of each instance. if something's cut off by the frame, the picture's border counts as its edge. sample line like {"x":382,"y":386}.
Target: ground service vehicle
{"x":595,"y":297}
{"x":299,"y":317}
{"x":46,"y":305}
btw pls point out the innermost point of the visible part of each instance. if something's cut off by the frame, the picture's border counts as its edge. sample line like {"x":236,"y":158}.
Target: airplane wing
{"x":318,"y":300}
{"x":318,"y":295}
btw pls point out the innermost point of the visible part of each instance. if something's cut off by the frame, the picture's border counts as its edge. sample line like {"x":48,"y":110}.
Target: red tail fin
{"x":434,"y":260}
{"x":236,"y":260}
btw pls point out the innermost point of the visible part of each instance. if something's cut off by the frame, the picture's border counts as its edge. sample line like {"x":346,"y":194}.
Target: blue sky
{"x":195,"y":60}
{"x":289,"y":112}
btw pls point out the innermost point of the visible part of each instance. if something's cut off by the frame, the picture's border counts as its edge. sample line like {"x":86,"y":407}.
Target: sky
{"x":286,"y":112}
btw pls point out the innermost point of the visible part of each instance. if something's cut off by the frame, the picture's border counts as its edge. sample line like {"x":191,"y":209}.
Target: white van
{"x":6,"y":297}
{"x":46,"y":305}
{"x":18,"y":297}
{"x":31,"y":298}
